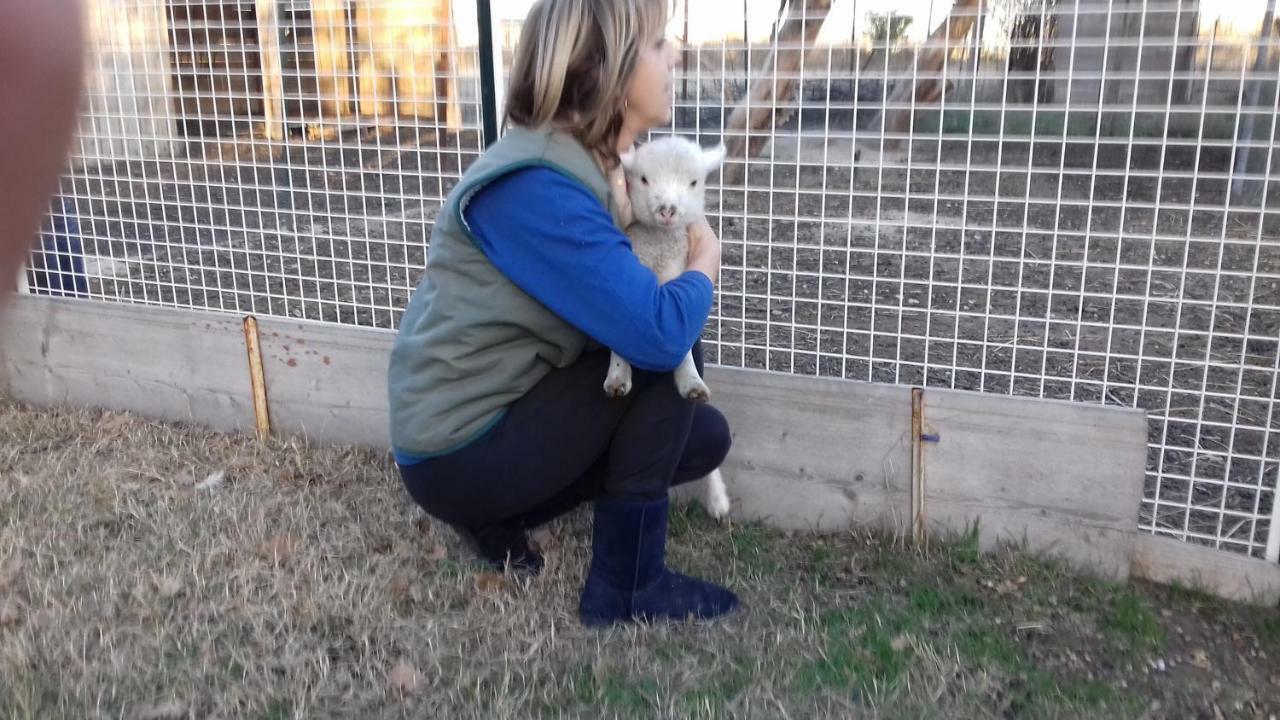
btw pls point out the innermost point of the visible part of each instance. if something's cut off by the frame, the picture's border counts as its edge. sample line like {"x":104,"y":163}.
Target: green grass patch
{"x":1128,"y":619}
{"x":932,"y":599}
{"x":628,"y":697}
{"x":278,"y":711}
{"x":964,"y":553}
{"x":1088,"y":693}
{"x":1269,"y":629}
{"x":893,"y":564}
{"x":1037,"y":694}
{"x":989,"y":648}
{"x":752,"y":546}
{"x":711,"y":697}
{"x":865,"y":651}
{"x":683,"y":518}
{"x":823,"y":563}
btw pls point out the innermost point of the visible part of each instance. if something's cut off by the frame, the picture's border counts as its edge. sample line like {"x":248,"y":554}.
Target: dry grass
{"x":134,"y":582}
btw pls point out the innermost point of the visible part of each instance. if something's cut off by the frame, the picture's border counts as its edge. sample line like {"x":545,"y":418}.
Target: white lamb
{"x":666,"y":184}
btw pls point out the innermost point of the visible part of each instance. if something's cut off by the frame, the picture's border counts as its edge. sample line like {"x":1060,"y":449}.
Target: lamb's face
{"x":666,"y":180}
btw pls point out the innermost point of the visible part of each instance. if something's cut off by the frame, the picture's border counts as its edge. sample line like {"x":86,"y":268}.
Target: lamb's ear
{"x":712,"y":158}
{"x":628,"y":159}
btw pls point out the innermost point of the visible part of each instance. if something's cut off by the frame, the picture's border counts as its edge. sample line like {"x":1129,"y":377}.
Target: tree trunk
{"x":332,"y":52}
{"x":930,"y":58}
{"x":272,"y":76}
{"x":1188,"y":32}
{"x":684,"y":63}
{"x":1239,"y":186}
{"x":761,"y":106}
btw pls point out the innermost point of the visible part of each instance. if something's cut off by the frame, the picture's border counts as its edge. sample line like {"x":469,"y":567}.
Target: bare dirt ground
{"x":1044,"y":269}
{"x":158,"y":571}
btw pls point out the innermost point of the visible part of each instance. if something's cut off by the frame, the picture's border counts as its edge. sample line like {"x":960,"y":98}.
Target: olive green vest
{"x":470,"y":341}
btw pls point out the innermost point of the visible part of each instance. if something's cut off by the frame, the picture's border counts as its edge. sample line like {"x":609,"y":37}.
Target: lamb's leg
{"x":716,"y":497}
{"x":689,"y":383}
{"x":618,"y":382}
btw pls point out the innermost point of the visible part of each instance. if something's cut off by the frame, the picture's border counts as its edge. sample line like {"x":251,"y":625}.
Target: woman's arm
{"x":556,"y":242}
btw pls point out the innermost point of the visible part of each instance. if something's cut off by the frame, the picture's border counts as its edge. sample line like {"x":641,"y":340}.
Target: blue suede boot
{"x":629,"y":580}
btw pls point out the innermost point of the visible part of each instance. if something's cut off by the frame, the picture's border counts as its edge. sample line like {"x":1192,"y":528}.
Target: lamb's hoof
{"x":718,"y":509}
{"x":616,"y":388}
{"x":699,"y":393}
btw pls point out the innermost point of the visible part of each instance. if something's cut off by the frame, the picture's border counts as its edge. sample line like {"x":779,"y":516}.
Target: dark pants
{"x":565,"y":443}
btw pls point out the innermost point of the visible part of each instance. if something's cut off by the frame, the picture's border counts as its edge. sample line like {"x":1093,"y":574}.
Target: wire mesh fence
{"x":1059,"y":200}
{"x":1063,"y":199}
{"x":196,"y":184}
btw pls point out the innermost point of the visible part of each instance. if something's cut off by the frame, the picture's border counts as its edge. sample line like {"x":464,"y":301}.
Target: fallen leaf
{"x":437,"y":553}
{"x":544,"y":540}
{"x":212,"y":482}
{"x":142,"y":591}
{"x":1200,"y":659}
{"x":10,"y":570}
{"x":11,"y":614}
{"x":103,"y":494}
{"x":162,"y":711}
{"x":404,"y":678}
{"x":399,"y":587}
{"x":1006,"y":587}
{"x":307,"y":478}
{"x":112,"y":423}
{"x":168,"y":587}
{"x":280,"y":548}
{"x":490,"y":583}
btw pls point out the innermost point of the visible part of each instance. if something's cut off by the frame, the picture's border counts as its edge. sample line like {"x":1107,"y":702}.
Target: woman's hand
{"x":704,"y":250}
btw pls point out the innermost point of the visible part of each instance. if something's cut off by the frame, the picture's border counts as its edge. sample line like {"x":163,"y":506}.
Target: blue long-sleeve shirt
{"x":554,"y":240}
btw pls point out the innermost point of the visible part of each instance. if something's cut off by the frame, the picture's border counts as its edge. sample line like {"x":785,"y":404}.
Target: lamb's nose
{"x":667,"y":211}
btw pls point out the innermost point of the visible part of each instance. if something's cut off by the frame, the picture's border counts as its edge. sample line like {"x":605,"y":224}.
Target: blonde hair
{"x":574,"y":63}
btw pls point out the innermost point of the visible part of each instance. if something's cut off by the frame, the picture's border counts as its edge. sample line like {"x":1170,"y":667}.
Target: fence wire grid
{"x":1065,"y":199}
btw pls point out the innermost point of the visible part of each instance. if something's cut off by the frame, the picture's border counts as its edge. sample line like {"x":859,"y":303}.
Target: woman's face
{"x":649,"y":95}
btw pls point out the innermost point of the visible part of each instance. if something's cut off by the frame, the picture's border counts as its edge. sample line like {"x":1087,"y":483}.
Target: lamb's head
{"x":666,"y":180}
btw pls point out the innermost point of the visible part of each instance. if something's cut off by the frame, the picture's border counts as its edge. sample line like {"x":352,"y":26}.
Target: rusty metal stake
{"x":918,"y":533}
{"x":258,"y":381}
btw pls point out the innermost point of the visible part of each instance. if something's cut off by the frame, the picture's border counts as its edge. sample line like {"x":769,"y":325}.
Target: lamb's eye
{"x":693,"y":184}
{"x":644,"y":180}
